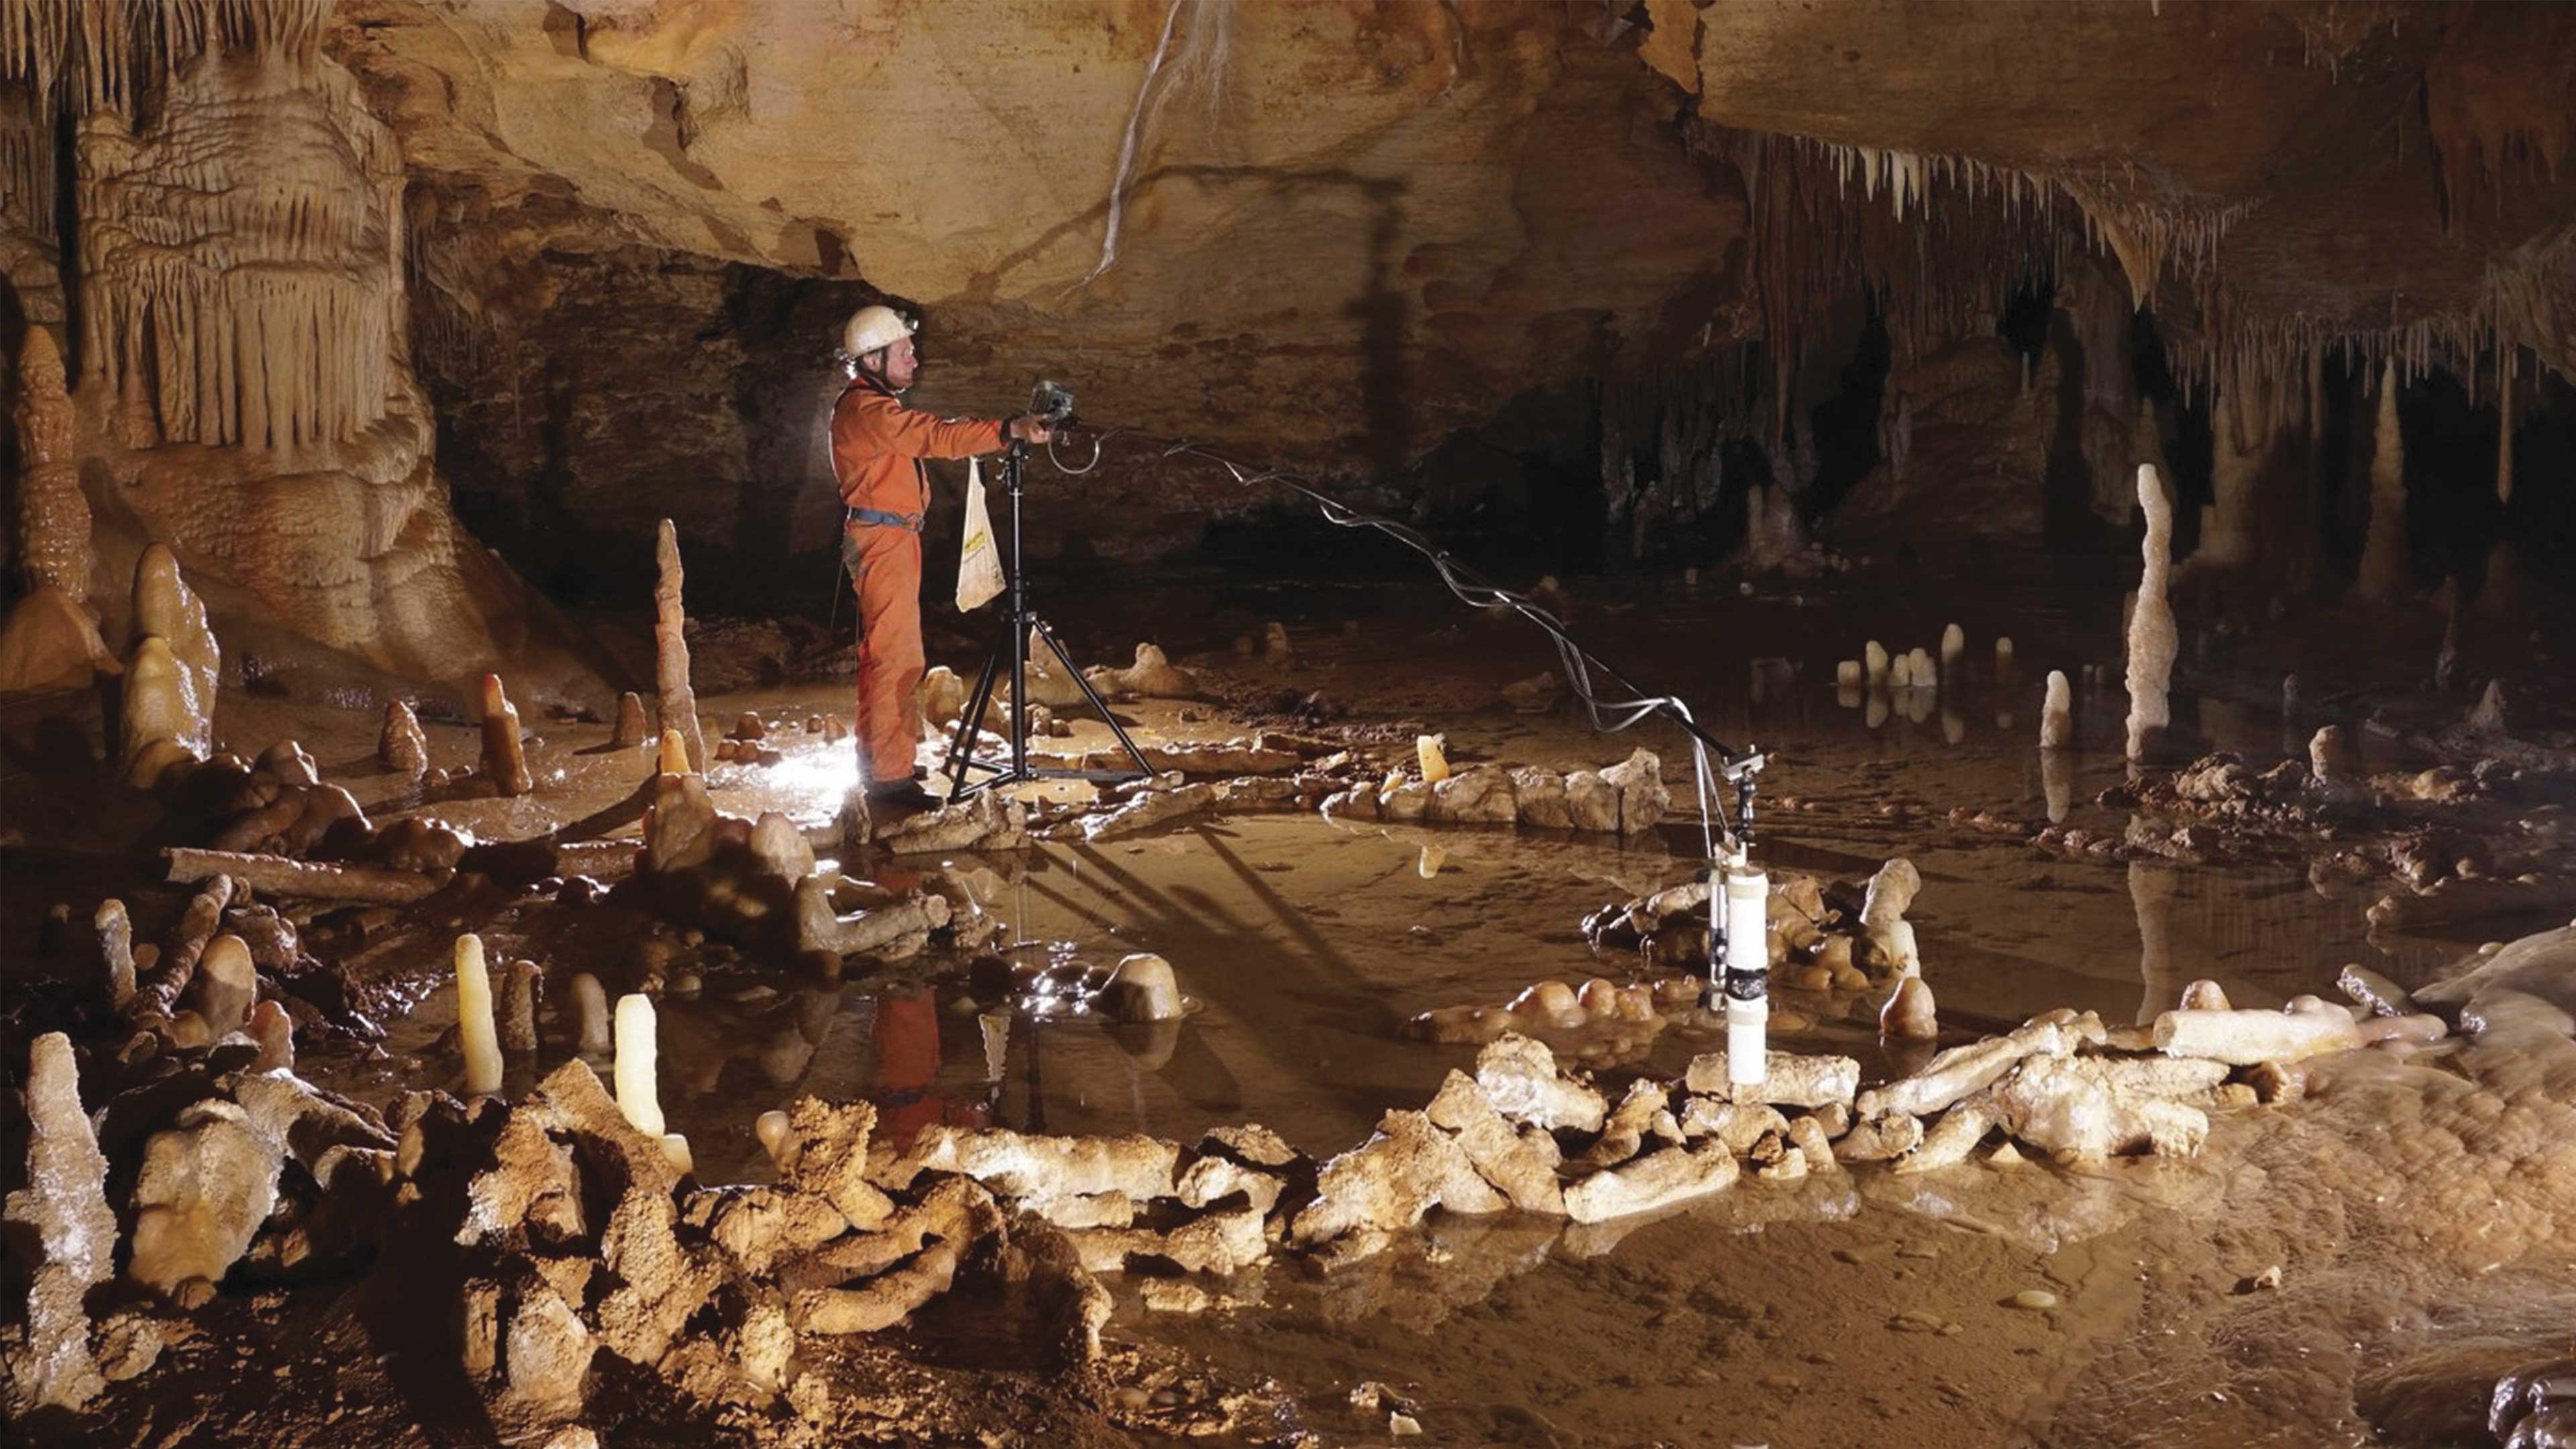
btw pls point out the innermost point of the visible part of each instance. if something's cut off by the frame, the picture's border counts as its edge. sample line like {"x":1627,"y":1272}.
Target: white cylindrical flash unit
{"x":1748,"y":972}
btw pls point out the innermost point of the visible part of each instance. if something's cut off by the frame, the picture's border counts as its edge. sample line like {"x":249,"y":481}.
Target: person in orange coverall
{"x":878,"y":445}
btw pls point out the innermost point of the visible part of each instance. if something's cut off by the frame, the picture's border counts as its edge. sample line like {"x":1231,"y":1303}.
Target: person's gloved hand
{"x":1026,"y":428}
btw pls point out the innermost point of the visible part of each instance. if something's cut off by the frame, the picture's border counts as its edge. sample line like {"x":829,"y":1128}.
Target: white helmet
{"x":870,"y":328}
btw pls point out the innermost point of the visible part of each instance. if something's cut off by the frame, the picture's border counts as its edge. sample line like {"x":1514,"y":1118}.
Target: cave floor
{"x":1847,"y":1309}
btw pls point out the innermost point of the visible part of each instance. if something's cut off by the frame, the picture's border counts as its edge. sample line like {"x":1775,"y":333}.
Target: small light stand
{"x":1055,"y":406}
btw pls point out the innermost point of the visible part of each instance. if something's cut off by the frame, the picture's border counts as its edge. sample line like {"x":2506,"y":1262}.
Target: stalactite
{"x":2500,"y":594}
{"x":230,"y":296}
{"x":2384,"y":573}
{"x":2507,"y":362}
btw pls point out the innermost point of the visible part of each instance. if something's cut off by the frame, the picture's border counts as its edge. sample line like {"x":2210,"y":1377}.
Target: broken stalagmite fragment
{"x":2244,"y":1038}
{"x":505,"y":757}
{"x":636,"y":1089}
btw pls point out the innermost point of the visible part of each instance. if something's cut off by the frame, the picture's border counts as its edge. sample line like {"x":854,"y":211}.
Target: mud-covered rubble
{"x":1844,"y":949}
{"x":2461,"y":843}
{"x":1628,"y":799}
{"x":558,"y":1234}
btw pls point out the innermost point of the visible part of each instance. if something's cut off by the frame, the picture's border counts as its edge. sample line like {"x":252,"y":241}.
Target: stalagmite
{"x":1152,"y":676}
{"x":162,"y":714}
{"x":68,"y":1230}
{"x":1144,"y":989}
{"x":590,"y":1015}
{"x":53,"y":513}
{"x":637,"y":1091}
{"x":116,"y":951}
{"x":679,"y":703}
{"x":476,"y":1034}
{"x":673,"y":757}
{"x":401,"y":746}
{"x":518,"y":1023}
{"x":274,"y":1030}
{"x":1874,"y":663}
{"x":1954,"y":650}
{"x":164,"y":605}
{"x":1909,"y":1013}
{"x":1847,"y":674}
{"x":51,"y":639}
{"x":505,"y":756}
{"x":629,"y":729}
{"x":1882,"y":916}
{"x":2151,"y":621}
{"x":2384,"y":568}
{"x":2056,"y":714}
{"x":771,"y":1127}
{"x":2206,"y":995}
{"x":2330,"y":756}
{"x":225,"y":985}
{"x":2004,"y":667}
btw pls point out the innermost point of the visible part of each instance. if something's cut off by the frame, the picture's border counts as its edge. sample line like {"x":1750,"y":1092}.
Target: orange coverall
{"x":877,"y":448}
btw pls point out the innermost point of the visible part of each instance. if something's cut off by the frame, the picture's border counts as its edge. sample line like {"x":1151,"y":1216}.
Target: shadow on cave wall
{"x":657,"y":385}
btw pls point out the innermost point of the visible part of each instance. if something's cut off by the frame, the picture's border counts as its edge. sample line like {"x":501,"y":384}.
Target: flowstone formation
{"x":243,"y":389}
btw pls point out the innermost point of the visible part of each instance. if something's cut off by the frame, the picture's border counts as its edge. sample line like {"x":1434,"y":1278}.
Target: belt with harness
{"x":908,"y":522}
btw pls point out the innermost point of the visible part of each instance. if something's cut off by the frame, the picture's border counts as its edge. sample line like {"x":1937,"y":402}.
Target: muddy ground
{"x":2351,"y":1268}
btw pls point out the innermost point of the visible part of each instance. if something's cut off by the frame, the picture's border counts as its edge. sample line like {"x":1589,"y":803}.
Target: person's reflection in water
{"x":908,"y":1094}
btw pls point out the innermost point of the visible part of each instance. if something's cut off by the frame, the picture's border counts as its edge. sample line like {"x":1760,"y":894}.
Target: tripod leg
{"x":961,"y":750}
{"x":1056,"y":646}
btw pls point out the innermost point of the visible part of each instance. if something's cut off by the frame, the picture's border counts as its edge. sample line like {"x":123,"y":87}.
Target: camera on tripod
{"x":1051,"y":403}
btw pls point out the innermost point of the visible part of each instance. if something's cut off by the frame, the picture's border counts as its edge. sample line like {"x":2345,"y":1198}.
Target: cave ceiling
{"x":1349,"y":228}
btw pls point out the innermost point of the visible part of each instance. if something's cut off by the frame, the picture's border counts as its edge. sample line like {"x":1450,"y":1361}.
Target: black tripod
{"x":1020,"y":625}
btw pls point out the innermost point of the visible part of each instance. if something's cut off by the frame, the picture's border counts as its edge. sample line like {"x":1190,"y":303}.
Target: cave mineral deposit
{"x":1711,"y":722}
